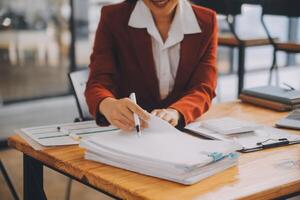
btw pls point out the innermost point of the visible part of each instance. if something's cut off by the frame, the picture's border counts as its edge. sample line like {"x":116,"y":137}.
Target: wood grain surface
{"x":288,"y":46}
{"x":230,"y":40}
{"x":260,"y":175}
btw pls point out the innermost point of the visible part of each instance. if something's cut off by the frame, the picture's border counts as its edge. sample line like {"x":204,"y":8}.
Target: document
{"x":263,"y":137}
{"x":162,"y":151}
{"x":61,"y":134}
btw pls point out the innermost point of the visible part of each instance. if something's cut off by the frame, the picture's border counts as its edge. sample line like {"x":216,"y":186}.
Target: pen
{"x":289,"y":86}
{"x":137,"y":122}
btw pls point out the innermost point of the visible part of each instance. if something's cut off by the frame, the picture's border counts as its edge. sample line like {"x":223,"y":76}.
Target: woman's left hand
{"x":170,"y":115}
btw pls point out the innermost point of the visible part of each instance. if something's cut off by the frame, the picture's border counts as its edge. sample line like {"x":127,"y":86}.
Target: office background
{"x":42,"y":41}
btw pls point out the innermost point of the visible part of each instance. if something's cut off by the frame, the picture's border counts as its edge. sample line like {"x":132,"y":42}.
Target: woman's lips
{"x":160,"y":3}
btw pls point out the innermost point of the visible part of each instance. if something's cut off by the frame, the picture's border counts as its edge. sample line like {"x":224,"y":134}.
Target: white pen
{"x":137,"y":122}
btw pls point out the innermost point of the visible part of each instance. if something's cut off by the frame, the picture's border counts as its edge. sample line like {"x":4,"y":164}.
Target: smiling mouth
{"x":160,"y":3}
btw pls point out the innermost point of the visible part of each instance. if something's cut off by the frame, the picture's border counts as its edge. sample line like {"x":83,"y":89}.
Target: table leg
{"x":241,"y":68}
{"x":33,"y":179}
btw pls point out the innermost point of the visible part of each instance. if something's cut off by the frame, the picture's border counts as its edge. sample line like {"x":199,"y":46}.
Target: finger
{"x":170,"y":120}
{"x":173,"y":122}
{"x":167,"y":118}
{"x":118,"y":115}
{"x":161,"y":114}
{"x":128,"y":115}
{"x":139,"y":111}
{"x":144,"y":124}
{"x":120,"y":125}
{"x":125,"y":120}
{"x":154,"y":112}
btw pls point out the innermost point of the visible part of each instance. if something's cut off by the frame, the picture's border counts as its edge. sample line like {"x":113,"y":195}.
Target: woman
{"x":164,"y":51}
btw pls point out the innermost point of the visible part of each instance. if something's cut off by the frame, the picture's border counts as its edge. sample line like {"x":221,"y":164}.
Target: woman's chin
{"x":159,"y":3}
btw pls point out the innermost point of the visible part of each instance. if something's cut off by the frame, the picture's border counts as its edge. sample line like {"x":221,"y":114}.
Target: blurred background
{"x":35,"y":41}
{"x":41,"y":41}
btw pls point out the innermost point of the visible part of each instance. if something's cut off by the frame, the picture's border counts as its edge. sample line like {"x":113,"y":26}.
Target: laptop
{"x":291,"y":121}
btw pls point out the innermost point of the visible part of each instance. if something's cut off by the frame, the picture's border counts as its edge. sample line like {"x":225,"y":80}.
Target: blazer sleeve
{"x":101,"y":81}
{"x":201,"y":89}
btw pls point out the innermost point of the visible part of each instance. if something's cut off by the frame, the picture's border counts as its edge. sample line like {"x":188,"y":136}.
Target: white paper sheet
{"x":246,"y":140}
{"x":62,"y":134}
{"x":162,"y":142}
{"x":162,"y":151}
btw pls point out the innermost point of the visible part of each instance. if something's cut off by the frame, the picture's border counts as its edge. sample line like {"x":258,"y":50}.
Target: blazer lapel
{"x":141,"y":41}
{"x":190,"y":55}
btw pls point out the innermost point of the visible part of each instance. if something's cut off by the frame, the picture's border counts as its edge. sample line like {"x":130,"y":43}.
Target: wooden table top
{"x":259,"y":175}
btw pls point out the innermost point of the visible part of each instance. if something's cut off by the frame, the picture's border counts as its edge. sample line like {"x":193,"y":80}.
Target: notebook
{"x":162,"y":151}
{"x":286,"y":96}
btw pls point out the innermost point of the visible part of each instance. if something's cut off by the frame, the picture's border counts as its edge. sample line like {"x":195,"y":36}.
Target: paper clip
{"x":276,"y":140}
{"x":216,"y":156}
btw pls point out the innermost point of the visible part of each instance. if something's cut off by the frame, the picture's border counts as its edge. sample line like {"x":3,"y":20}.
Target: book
{"x":162,"y":151}
{"x":276,"y":94}
{"x":266,"y":103}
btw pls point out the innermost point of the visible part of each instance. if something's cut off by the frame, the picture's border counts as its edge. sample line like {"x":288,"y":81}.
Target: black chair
{"x":78,"y":81}
{"x":287,"y":8}
{"x":230,"y":9}
{"x":8,"y":181}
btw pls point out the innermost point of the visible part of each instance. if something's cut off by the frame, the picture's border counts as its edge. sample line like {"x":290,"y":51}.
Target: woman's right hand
{"x":119,"y":112}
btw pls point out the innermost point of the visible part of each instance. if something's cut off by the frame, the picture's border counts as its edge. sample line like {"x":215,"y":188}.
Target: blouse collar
{"x":184,"y":22}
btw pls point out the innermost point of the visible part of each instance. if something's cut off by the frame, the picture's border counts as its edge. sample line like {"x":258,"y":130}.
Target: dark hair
{"x":131,"y":1}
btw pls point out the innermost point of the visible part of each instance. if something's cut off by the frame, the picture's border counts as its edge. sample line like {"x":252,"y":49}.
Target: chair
{"x":287,"y":8}
{"x":230,"y":9}
{"x":8,"y":181}
{"x":78,"y":81}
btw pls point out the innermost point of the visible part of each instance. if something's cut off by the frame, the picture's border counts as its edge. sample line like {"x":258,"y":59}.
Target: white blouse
{"x":166,"y":54}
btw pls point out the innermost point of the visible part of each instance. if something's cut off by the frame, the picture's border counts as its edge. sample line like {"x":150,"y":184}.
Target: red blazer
{"x":122,"y":62}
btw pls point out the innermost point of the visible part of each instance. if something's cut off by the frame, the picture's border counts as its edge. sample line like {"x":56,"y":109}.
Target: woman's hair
{"x":131,"y":1}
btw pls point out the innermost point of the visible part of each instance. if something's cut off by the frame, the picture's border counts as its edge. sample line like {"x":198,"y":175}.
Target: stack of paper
{"x":162,"y":151}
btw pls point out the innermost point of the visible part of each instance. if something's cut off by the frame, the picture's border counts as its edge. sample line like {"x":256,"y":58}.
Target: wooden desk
{"x":260,"y":175}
